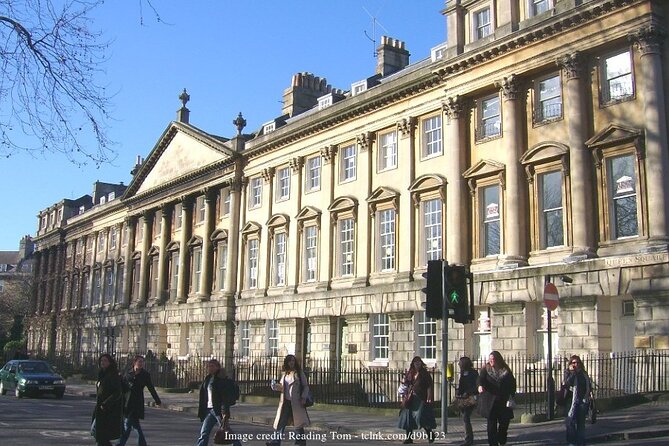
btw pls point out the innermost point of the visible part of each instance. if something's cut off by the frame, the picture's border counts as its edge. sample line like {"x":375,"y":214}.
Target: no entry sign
{"x":551,"y":296}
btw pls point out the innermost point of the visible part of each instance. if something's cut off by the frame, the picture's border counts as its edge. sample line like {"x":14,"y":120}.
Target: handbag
{"x":309,"y":400}
{"x":408,"y":398}
{"x":511,"y":403}
{"x":224,"y":434}
{"x":465,"y":402}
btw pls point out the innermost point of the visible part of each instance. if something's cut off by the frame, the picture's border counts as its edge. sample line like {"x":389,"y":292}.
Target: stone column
{"x":165,"y":231}
{"x":39,"y":265}
{"x":406,"y":217}
{"x":186,"y":228}
{"x":580,"y":168}
{"x":130,"y":223}
{"x":233,"y":235}
{"x":515,"y":217}
{"x":60,"y":267}
{"x":91,"y":276}
{"x":145,"y":261}
{"x":207,"y":249}
{"x":268,"y":176}
{"x":648,"y":41}
{"x":456,"y":203}
{"x":325,"y":236}
{"x":363,"y":227}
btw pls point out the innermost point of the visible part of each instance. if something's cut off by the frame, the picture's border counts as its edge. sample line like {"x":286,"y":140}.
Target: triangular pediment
{"x":251,"y":227}
{"x":383,"y":194}
{"x":484,"y":168}
{"x":308,"y":213}
{"x":614,"y":135}
{"x":181,"y":151}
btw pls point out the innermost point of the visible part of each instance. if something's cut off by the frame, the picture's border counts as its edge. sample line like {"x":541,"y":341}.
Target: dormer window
{"x":358,"y":87}
{"x":324,"y":101}
{"x":438,"y":52}
{"x":269,"y":127}
{"x":103,"y":200}
{"x":82,"y":209}
{"x":112,"y":195}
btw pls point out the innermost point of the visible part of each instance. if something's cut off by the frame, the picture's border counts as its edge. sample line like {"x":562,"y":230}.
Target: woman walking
{"x":497,"y":386}
{"x":108,"y":412}
{"x":212,"y":406}
{"x":294,"y":391}
{"x":466,"y":395}
{"x":578,"y":381}
{"x":135,"y":381}
{"x":417,"y":411}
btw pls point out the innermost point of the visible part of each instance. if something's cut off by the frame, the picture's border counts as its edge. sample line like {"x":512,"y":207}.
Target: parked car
{"x":32,"y":377}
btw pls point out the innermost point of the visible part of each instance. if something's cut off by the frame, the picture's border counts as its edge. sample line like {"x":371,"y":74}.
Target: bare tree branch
{"x":50,"y":101}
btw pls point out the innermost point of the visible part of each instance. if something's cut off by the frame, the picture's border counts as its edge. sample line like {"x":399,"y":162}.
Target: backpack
{"x":230,"y":391}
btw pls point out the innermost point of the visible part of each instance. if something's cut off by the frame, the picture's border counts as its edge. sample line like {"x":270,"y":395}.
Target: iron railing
{"x":357,"y":383}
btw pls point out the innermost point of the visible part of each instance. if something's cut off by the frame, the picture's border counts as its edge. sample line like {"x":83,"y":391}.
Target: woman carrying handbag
{"x":417,"y":411}
{"x":466,"y":396}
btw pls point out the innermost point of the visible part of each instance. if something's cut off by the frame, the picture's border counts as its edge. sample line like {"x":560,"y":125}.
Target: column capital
{"x":267,"y":174}
{"x":406,"y":126}
{"x":186,"y":201}
{"x":209,"y":193}
{"x":296,"y":163}
{"x":453,"y":107}
{"x":328,"y":153}
{"x":648,"y":40}
{"x":509,"y":86}
{"x":147,"y":215}
{"x":364,"y":140}
{"x":573,"y":65}
{"x":236,"y":184}
{"x":166,"y":208}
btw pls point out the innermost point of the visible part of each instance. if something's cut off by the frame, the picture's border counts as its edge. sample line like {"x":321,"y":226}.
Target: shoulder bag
{"x":309,"y":400}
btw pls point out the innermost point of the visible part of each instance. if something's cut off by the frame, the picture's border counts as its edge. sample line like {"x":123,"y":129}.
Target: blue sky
{"x":231,"y":56}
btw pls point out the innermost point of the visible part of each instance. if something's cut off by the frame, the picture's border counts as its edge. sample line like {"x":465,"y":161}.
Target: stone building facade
{"x":531,"y":145}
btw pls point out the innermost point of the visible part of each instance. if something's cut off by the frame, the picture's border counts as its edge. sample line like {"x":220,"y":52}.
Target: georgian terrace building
{"x":531,"y":145}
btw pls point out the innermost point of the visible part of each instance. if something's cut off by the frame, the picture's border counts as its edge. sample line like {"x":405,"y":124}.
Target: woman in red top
{"x":417,"y":411}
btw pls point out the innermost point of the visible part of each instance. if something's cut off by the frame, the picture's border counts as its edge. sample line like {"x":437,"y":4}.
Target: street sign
{"x":551,"y":296}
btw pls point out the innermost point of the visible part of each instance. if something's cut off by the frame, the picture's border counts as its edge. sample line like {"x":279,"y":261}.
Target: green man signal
{"x":455,"y":277}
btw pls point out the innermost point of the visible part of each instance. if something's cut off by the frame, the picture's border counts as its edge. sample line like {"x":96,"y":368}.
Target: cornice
{"x":572,"y":18}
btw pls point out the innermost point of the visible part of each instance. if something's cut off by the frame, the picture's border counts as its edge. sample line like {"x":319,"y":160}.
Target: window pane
{"x":491,"y":220}
{"x":624,"y":196}
{"x":540,"y":6}
{"x":490,"y":121}
{"x":432,"y":217}
{"x":346,"y":242}
{"x":550,"y":98}
{"x":387,"y":239}
{"x":380,"y":332}
{"x":618,"y":74}
{"x":280,"y":259}
{"x":432,"y":136}
{"x":348,"y":162}
{"x":314,"y":173}
{"x":253,"y":263}
{"x":427,"y":336}
{"x":388,"y":150}
{"x":310,"y":240}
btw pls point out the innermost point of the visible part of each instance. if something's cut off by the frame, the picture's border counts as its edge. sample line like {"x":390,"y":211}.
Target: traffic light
{"x":456,"y":293}
{"x":433,"y":290}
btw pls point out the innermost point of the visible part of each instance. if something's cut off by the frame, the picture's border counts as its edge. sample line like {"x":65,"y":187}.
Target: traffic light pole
{"x":444,"y":351}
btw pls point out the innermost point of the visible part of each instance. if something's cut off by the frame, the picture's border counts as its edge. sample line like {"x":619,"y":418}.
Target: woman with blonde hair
{"x":497,"y":386}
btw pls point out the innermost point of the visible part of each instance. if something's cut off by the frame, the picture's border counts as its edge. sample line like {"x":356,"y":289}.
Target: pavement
{"x":648,"y":419}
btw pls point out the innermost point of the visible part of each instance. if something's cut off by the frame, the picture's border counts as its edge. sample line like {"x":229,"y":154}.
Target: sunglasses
{"x":574,"y":363}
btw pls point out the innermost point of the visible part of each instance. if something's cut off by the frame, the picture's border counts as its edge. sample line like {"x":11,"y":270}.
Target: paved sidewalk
{"x":648,"y":420}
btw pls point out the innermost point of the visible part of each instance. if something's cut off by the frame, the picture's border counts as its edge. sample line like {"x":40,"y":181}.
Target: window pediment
{"x":614,"y":135}
{"x":219,"y":235}
{"x":308,"y":213}
{"x":343,"y":204}
{"x":251,"y":227}
{"x":383,"y":195}
{"x":154,"y":251}
{"x":545,"y":151}
{"x":484,"y":169}
{"x":137,"y":255}
{"x":428,"y":183}
{"x":173,"y":246}
{"x":195,"y":241}
{"x":108,"y":263}
{"x":278,"y":220}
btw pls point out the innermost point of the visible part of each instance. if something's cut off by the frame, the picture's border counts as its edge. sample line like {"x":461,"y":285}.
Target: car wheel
{"x":59,"y":395}
{"x":18,"y":393}
{"x":3,"y":391}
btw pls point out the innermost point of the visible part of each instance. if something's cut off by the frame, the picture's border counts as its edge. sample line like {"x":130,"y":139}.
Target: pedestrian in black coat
{"x":134,"y":382}
{"x":108,"y":412}
{"x":497,"y":386}
{"x":467,"y":390}
{"x":213,"y":404}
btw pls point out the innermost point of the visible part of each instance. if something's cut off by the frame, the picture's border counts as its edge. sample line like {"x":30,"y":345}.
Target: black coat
{"x":108,"y":412}
{"x":468,"y":383}
{"x":135,"y":383}
{"x":495,"y":394}
{"x":217,"y":396}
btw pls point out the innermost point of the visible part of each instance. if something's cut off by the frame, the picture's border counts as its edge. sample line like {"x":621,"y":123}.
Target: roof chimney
{"x":138,"y":164}
{"x":183,"y":113}
{"x":391,"y":56}
{"x":303,"y":93}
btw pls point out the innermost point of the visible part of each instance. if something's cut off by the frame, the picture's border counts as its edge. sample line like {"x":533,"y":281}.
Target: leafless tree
{"x":49,"y":95}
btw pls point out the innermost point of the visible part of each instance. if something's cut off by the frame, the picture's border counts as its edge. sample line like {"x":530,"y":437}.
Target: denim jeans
{"x":208,"y":424}
{"x":129,"y":424}
{"x":576,"y":424}
{"x":467,"y":420}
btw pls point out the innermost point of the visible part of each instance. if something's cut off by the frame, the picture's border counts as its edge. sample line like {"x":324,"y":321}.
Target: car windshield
{"x":34,"y":367}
